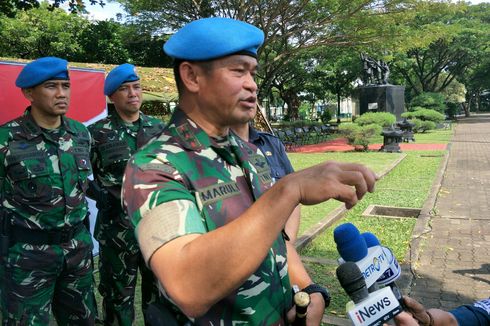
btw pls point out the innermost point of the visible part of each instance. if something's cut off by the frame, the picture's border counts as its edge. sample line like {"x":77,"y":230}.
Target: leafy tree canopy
{"x":10,"y":7}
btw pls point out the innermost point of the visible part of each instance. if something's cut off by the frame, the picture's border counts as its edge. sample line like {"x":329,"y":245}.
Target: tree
{"x":337,"y":72}
{"x":460,"y":45}
{"x":102,"y":42}
{"x":292,"y":28}
{"x":39,"y":32}
{"x":144,"y":48}
{"x":10,"y":7}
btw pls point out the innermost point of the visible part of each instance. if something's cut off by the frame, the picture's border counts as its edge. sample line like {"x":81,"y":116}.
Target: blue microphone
{"x":352,"y":247}
{"x":350,"y":244}
{"x":392,"y":273}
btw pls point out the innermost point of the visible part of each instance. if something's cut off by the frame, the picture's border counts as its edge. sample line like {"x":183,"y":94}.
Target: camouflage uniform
{"x":47,"y":265}
{"x":114,"y":141}
{"x":214,"y":181}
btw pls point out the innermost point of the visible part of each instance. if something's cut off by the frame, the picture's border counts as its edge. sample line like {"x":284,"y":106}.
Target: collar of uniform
{"x":253,"y":134}
{"x":143,"y":118}
{"x":190,"y":134}
{"x":32,"y":129}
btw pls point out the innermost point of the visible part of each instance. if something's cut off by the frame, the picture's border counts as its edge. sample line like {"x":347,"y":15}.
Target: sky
{"x":110,"y":10}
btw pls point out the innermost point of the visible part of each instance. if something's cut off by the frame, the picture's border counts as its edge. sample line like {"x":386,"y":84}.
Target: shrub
{"x":453,"y":109}
{"x":359,"y":135}
{"x":417,"y":123}
{"x":326,"y":116}
{"x":425,"y":115}
{"x":426,"y":125}
{"x":433,"y":101}
{"x":156,"y":108}
{"x":383,"y":119}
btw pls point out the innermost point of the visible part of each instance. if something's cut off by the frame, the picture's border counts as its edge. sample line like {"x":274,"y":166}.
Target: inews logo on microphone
{"x":378,"y":308}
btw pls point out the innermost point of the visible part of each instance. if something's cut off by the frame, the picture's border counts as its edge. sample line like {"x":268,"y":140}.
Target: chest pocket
{"x":29,"y":172}
{"x":114,"y":156}
{"x":83,"y":168}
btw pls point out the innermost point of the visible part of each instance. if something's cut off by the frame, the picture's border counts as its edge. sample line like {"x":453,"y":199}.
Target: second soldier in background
{"x":115,"y":139}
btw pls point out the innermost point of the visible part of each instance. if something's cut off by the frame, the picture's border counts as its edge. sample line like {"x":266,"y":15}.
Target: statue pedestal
{"x":382,"y":98}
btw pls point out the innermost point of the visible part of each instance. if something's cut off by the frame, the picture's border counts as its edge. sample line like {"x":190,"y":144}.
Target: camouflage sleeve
{"x":158,"y":203}
{"x":93,"y":153}
{"x":4,"y":136}
{"x":166,"y":222}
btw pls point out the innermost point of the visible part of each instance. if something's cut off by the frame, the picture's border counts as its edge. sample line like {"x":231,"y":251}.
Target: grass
{"x":377,"y":161}
{"x":407,"y":185}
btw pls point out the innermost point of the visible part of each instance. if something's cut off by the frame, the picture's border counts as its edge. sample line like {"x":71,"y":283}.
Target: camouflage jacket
{"x":44,"y":172}
{"x":114,"y":141}
{"x":214,"y":182}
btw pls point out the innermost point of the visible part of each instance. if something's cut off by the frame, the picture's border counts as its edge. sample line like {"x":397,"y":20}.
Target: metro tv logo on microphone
{"x":378,"y":308}
{"x":377,"y":264}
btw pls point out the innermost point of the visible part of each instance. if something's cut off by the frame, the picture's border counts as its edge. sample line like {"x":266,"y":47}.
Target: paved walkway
{"x":453,"y":264}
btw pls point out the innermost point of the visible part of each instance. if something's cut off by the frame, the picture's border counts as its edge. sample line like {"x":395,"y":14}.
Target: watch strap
{"x":315,"y":288}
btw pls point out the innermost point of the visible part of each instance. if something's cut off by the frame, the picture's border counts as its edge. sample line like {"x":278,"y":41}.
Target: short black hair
{"x":205,"y":65}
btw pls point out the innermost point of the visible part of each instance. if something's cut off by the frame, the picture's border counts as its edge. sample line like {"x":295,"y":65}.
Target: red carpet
{"x":340,"y":145}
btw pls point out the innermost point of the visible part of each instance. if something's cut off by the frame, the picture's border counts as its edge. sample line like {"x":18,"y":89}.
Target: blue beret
{"x":119,"y":75}
{"x":212,"y":38}
{"x":42,"y":69}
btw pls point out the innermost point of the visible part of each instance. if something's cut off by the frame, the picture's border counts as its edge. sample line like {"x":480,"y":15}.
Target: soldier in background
{"x":46,"y":249}
{"x":115,"y":139}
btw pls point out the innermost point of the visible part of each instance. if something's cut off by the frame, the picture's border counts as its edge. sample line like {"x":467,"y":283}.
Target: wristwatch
{"x":315,"y":288}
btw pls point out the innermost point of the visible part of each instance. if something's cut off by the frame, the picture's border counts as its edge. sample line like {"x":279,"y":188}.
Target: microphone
{"x":366,"y":309}
{"x":393,"y":272}
{"x":352,"y":247}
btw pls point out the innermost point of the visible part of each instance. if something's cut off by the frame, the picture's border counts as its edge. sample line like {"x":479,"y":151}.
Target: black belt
{"x":43,"y":237}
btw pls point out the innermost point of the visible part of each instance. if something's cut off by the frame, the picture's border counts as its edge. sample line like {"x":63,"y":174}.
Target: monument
{"x":377,"y":94}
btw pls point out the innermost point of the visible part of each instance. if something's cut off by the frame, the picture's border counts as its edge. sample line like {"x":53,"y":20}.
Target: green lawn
{"x":377,"y":161}
{"x":407,"y":185}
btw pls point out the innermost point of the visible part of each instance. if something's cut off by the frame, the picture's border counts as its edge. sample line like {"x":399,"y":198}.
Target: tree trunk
{"x":338,"y":107}
{"x":293,"y":102}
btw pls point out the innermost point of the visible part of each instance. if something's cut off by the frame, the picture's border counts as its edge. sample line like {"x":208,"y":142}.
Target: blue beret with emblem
{"x":42,"y":69}
{"x":119,"y":75}
{"x":212,"y":38}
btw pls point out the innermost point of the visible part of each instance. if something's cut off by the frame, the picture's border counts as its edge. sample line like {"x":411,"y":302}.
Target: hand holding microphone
{"x":367,"y":309}
{"x":365,"y":264}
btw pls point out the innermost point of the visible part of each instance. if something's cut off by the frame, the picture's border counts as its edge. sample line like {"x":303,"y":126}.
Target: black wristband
{"x":315,"y":288}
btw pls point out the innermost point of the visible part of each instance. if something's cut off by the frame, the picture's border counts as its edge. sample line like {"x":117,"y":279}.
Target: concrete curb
{"x":422,"y":225}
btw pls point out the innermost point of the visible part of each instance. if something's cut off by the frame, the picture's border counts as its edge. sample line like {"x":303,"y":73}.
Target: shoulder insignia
{"x":186,"y":133}
{"x":165,"y":168}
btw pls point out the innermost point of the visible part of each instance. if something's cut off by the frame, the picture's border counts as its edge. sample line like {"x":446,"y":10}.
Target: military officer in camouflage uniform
{"x":115,"y":139}
{"x":44,"y":165}
{"x":208,"y":218}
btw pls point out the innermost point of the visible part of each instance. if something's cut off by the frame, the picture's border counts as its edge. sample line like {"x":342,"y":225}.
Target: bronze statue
{"x":375,"y":72}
